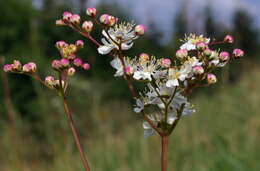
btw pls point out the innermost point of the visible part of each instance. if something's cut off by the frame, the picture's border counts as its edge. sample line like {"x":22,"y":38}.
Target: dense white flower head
{"x":122,"y":33}
{"x":192,"y":40}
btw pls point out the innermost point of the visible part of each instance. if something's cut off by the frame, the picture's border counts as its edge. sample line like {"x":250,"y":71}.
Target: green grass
{"x":223,"y":135}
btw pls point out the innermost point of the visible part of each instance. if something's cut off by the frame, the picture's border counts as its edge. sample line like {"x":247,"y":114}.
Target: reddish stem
{"x":164,"y":153}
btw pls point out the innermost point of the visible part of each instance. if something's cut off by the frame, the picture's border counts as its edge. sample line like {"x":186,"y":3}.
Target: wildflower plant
{"x":168,"y":82}
{"x":63,"y":68}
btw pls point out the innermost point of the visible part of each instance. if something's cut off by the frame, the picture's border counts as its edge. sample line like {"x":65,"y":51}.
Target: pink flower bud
{"x":87,"y":26}
{"x":17,"y":65}
{"x":144,"y":57}
{"x":211,"y":78}
{"x":56,"y":64}
{"x":201,"y":45}
{"x":77,"y":62}
{"x":71,"y":71}
{"x":166,"y":62}
{"x":224,"y":56}
{"x":49,"y":80}
{"x":71,"y":57}
{"x":207,"y":52}
{"x":92,"y":12}
{"x":112,"y":20}
{"x":79,"y":43}
{"x":61,"y":44}
{"x":86,"y":66}
{"x":229,"y":39}
{"x":198,"y":70}
{"x":104,"y":19}
{"x":60,"y":23}
{"x":238,"y":53}
{"x":29,"y":67}
{"x":129,"y":70}
{"x":140,"y":29}
{"x":8,"y":67}
{"x":75,"y":19}
{"x":65,"y":62}
{"x":66,"y":16}
{"x":181,"y":53}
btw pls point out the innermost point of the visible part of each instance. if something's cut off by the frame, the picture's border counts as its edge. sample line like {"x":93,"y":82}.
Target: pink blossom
{"x":198,"y":70}
{"x":87,"y":26}
{"x":66,"y":15}
{"x":61,"y":44}
{"x":64,"y":62}
{"x":140,"y":29}
{"x":75,"y":19}
{"x":86,"y":66}
{"x":79,"y":43}
{"x":224,"y":56}
{"x":104,"y":19}
{"x":238,"y":53}
{"x":182,"y":53}
{"x":201,"y":45}
{"x":77,"y":62}
{"x":92,"y":12}
{"x":166,"y":62}
{"x":211,"y":78}
{"x":8,"y":67}
{"x":229,"y":39}
{"x":71,"y":71}
{"x":129,"y":70}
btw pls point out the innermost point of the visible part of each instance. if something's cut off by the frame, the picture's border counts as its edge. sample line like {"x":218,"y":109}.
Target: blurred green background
{"x":223,"y":135}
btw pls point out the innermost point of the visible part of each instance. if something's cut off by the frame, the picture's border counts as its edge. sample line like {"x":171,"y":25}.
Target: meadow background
{"x":223,"y":135}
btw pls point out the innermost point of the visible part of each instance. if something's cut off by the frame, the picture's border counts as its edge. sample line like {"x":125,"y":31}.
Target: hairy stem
{"x":164,"y":153}
{"x":75,"y":134}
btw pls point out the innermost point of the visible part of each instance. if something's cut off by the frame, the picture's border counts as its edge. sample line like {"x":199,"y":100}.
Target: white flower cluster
{"x":166,"y":83}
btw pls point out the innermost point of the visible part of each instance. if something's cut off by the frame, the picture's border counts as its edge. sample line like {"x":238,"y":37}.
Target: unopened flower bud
{"x":229,"y":39}
{"x":8,"y":67}
{"x":207,"y":52}
{"x":224,"y":56}
{"x":64,"y":62}
{"x":66,"y":16}
{"x":144,"y":57}
{"x":29,"y":67}
{"x":79,"y":43}
{"x":201,"y":45}
{"x":112,"y":20}
{"x":129,"y":70}
{"x":77,"y":62}
{"x":140,"y":29}
{"x":181,"y":53}
{"x":61,"y":44}
{"x":166,"y":63}
{"x":238,"y":53}
{"x":17,"y":65}
{"x":56,"y":64}
{"x":104,"y":19}
{"x":49,"y":80}
{"x":87,"y":26}
{"x":212,"y":79}
{"x":60,"y":23}
{"x":71,"y":57}
{"x":92,"y":12}
{"x":86,"y":66}
{"x":71,"y":71}
{"x":198,"y":70}
{"x":75,"y":19}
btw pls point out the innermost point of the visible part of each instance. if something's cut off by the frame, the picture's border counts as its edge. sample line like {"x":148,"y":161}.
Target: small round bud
{"x":64,"y":62}
{"x":166,"y":63}
{"x":56,"y":64}
{"x":129,"y":70}
{"x":87,"y":26}
{"x":75,"y":19}
{"x":86,"y":66}
{"x":79,"y":43}
{"x":92,"y":12}
{"x":104,"y":19}
{"x":71,"y":71}
{"x":29,"y":67}
{"x":112,"y":20}
{"x":181,"y":53}
{"x":49,"y":80}
{"x":60,"y":23}
{"x":201,"y":45}
{"x":17,"y":65}
{"x":8,"y":67}
{"x":140,"y":29}
{"x":238,"y":53}
{"x":207,"y":52}
{"x":198,"y":70}
{"x":77,"y":62}
{"x":61,"y":44}
{"x":144,"y":57}
{"x":229,"y":39}
{"x":66,"y":16}
{"x":212,"y":79}
{"x":224,"y":56}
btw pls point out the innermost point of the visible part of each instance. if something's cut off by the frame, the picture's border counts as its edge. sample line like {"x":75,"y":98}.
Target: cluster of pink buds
{"x":108,"y":20}
{"x":17,"y":67}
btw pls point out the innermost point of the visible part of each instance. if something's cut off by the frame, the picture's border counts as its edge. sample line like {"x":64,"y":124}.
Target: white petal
{"x":116,"y":63}
{"x":146,"y":125}
{"x":127,"y":46}
{"x":171,"y":119}
{"x":148,"y":133}
{"x":137,"y":75}
{"x":103,"y":50}
{"x":172,"y":83}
